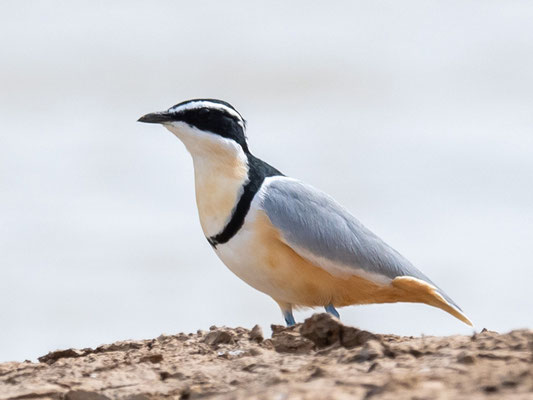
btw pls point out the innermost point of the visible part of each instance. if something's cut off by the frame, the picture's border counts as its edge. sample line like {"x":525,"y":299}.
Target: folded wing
{"x":319,"y":229}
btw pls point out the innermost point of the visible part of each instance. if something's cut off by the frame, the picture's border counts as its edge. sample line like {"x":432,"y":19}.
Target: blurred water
{"x":415,"y":115}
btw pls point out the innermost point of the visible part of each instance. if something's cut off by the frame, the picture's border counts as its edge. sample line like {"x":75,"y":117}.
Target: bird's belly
{"x":258,"y":256}
{"x":245,"y":256}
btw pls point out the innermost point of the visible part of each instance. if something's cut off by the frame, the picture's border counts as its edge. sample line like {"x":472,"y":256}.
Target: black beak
{"x":156,"y":118}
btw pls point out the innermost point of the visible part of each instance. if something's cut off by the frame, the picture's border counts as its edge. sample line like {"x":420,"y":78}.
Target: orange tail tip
{"x":419,"y":291}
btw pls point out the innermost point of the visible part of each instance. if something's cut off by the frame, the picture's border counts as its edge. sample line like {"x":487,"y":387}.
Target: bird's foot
{"x":331,"y":310}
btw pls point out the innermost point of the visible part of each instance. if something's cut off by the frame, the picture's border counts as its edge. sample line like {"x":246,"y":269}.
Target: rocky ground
{"x":319,"y":359}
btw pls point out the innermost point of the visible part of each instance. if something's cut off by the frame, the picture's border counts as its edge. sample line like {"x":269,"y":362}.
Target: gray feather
{"x":313,"y":221}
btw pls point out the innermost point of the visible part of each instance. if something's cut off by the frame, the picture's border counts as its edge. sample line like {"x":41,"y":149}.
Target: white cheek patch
{"x":199,"y":142}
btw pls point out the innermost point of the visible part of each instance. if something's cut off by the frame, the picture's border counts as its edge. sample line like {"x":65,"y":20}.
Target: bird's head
{"x":199,"y":122}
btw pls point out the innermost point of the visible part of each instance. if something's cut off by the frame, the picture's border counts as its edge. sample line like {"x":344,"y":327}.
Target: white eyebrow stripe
{"x":208,"y":104}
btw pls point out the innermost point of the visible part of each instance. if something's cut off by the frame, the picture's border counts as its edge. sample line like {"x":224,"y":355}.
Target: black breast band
{"x":258,"y":170}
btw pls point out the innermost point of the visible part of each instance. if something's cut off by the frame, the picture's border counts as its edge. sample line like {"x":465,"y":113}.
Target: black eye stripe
{"x":217,"y":121}
{"x":206,"y":113}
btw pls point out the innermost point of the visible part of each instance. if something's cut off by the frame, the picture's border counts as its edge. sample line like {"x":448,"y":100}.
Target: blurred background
{"x":415,"y":115}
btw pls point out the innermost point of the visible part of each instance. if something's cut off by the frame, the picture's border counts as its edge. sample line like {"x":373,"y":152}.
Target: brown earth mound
{"x":319,"y":359}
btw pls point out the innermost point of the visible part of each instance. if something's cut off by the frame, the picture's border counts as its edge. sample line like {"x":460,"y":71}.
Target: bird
{"x":280,"y":235}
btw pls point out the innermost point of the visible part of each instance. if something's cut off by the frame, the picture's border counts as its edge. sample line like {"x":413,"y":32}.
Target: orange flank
{"x":302,"y":283}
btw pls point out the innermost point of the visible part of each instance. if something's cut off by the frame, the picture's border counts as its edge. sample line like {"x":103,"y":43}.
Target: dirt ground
{"x":319,"y":359}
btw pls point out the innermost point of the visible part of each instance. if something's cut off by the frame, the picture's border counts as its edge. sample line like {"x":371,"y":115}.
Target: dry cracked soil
{"x":319,"y":359}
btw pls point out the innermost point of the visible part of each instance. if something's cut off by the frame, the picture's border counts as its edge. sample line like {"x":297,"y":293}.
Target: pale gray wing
{"x":313,"y":222}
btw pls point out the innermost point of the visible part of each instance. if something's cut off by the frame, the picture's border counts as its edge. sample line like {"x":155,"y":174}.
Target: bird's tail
{"x":419,"y":291}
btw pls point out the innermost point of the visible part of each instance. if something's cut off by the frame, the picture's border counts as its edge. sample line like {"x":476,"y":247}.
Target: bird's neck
{"x":220,"y":174}
{"x":226,"y":179}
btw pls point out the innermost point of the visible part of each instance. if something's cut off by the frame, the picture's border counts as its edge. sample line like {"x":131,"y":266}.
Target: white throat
{"x":220,"y":173}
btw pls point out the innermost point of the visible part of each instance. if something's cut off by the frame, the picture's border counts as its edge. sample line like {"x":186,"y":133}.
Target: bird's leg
{"x":331,"y":310}
{"x":289,"y":318}
{"x":286,"y":310}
